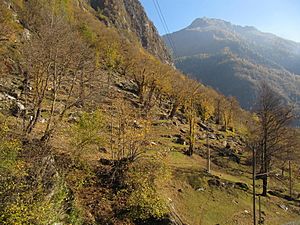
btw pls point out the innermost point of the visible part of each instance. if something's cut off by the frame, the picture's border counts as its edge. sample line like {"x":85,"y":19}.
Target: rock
{"x":201,"y":189}
{"x":137,"y":125}
{"x":205,"y":127}
{"x":284,"y":207}
{"x":26,"y":34}
{"x":163,"y":117}
{"x":235,"y":158}
{"x":129,"y":15}
{"x":223,"y":129}
{"x":180,"y":140}
{"x":73,"y":119}
{"x":102,"y":150}
{"x":201,"y":137}
{"x":227,"y":145}
{"x":42,"y":120}
{"x":153,"y":143}
{"x":167,"y":136}
{"x":183,"y":131}
{"x":235,"y":202}
{"x":182,"y":120}
{"x":214,"y":182}
{"x":10,"y":97}
{"x":180,"y":190}
{"x":212,"y":136}
{"x":241,"y":185}
{"x":17,"y":108}
{"x":228,"y":152}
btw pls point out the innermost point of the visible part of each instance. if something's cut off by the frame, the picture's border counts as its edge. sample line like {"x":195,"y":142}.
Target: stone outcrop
{"x":130,"y":16}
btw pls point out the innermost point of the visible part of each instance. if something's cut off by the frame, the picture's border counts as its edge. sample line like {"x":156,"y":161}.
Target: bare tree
{"x":274,"y":116}
{"x":59,"y":67}
{"x":129,"y":132}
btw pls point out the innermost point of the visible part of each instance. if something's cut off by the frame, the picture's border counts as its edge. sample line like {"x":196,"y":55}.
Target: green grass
{"x":217,"y":205}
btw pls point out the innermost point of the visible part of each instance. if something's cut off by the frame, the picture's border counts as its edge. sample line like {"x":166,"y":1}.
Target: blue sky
{"x":281,"y":17}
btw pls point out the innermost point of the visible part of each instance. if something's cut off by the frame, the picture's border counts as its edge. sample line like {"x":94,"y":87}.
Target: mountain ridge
{"x":253,"y":56}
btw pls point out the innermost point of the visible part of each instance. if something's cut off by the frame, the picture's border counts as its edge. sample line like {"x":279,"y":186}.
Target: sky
{"x":280,"y":17}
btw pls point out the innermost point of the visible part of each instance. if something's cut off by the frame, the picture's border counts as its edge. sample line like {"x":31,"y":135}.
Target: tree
{"x":142,"y":182}
{"x":230,"y":107}
{"x":178,"y":94}
{"x":129,"y":132}
{"x":191,"y":112}
{"x":274,"y":119}
{"x":87,"y":132}
{"x":289,"y":156}
{"x":58,"y":65}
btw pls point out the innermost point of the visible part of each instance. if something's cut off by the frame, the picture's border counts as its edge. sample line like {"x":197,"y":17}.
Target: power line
{"x":165,"y":26}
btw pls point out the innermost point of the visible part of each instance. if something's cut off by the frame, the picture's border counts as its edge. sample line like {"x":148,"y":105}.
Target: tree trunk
{"x":290,"y":179}
{"x":254,"y":184}
{"x":265,"y":185}
{"x":208,"y":153}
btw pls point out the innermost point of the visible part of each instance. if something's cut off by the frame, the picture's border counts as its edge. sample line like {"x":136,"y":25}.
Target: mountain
{"x":130,"y":16}
{"x":234,"y":58}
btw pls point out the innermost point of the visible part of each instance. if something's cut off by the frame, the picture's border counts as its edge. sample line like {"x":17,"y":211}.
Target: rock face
{"x":129,"y":15}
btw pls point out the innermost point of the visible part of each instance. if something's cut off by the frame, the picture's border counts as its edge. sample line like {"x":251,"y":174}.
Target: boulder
{"x":183,"y":131}
{"x":201,"y":189}
{"x":205,"y":127}
{"x":180,"y":140}
{"x":212,"y":136}
{"x":214,"y":182}
{"x":103,"y":150}
{"x":73,"y":119}
{"x":17,"y":108}
{"x":228,"y":152}
{"x":167,"y":136}
{"x":241,"y":185}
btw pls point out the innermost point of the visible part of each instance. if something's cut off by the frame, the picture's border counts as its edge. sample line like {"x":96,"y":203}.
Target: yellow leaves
{"x":17,"y":214}
{"x":63,"y":7}
{"x":87,"y":132}
{"x":89,"y":34}
{"x":144,"y":201}
{"x":19,"y":3}
{"x":208,"y":108}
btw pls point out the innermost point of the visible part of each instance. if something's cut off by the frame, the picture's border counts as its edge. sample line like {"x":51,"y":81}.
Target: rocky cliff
{"x":129,"y":15}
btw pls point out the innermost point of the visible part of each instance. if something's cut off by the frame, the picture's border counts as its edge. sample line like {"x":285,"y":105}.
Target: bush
{"x":144,"y":201}
{"x":87,"y":132}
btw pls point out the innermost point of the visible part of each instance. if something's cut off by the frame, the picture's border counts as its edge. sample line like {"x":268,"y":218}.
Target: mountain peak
{"x":206,"y":22}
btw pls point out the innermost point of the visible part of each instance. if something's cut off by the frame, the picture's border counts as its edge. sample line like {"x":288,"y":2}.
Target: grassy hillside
{"x":95,"y":130}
